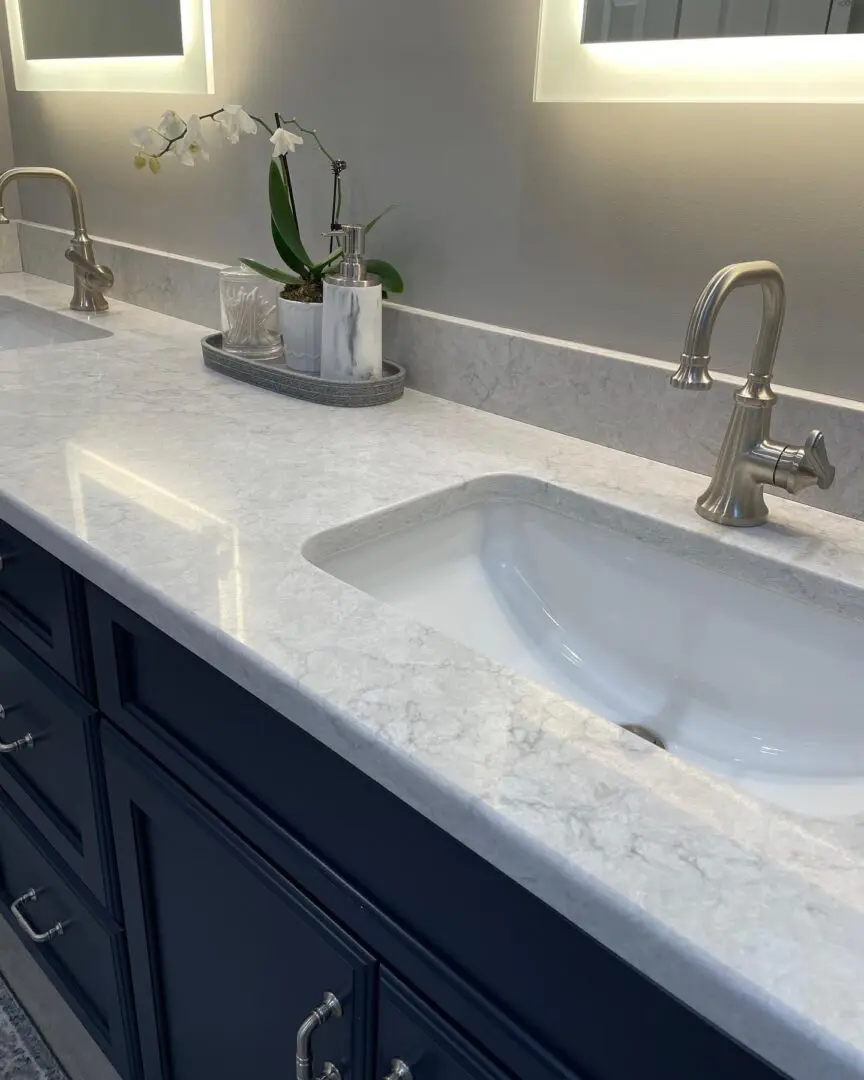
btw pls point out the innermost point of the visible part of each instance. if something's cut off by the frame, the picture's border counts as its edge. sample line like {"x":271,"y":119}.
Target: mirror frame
{"x":821,"y":68}
{"x":191,"y":73}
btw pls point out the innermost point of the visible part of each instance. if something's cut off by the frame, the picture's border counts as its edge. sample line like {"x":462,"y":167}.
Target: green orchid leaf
{"x":319,"y":268}
{"x":391,"y":279}
{"x":285,"y":253}
{"x":375,"y":220}
{"x":271,"y":273}
{"x":280,"y":211}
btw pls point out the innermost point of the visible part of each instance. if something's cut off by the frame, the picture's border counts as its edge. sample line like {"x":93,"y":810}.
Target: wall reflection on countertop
{"x":117,"y":510}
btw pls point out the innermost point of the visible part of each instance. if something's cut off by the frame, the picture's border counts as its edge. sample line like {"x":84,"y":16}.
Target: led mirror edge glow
{"x":825,"y":69}
{"x":191,"y":73}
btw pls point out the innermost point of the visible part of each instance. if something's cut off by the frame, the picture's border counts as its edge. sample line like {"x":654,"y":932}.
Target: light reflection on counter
{"x":205,"y":543}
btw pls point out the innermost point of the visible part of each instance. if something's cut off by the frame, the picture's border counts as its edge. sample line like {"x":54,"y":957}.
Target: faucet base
{"x":726,"y":512}
{"x":93,"y":304}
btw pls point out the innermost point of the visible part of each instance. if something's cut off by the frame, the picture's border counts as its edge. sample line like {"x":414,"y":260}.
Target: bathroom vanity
{"x":236,"y":784}
{"x":243,"y":870}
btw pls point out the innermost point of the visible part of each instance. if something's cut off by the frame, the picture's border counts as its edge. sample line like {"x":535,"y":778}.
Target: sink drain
{"x":645,"y":733}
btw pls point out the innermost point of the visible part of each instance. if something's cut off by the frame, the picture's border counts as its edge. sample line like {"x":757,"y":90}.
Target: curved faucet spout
{"x":749,"y":458}
{"x":90,"y":280}
{"x":693,"y":372}
{"x":51,"y":174}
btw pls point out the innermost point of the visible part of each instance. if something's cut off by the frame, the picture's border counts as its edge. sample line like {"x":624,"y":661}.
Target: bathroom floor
{"x":23,"y":1053}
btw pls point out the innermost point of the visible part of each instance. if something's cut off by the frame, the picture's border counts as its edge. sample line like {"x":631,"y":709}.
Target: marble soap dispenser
{"x":351,"y":348}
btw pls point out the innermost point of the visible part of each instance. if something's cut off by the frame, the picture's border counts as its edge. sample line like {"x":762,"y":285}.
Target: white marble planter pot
{"x":301,"y":334}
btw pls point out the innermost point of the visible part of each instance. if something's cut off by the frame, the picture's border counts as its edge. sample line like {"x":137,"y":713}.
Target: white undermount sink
{"x":26,"y":326}
{"x":743,"y":681}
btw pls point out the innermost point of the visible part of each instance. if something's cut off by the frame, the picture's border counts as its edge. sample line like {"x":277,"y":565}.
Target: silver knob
{"x":815,"y":460}
{"x":330,"y":1008}
{"x":29,"y":897}
{"x":799,"y":468}
{"x":399,"y":1070}
{"x":25,"y":742}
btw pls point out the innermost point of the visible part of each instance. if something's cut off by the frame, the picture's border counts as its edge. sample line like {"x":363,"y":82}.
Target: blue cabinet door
{"x":228,"y":957}
{"x":414,"y":1042}
{"x":78,"y":946}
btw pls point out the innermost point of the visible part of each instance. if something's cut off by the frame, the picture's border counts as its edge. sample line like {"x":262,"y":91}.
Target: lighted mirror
{"x":701,"y":50}
{"x":659,"y":20}
{"x":100,"y":28}
{"x":116,"y":45}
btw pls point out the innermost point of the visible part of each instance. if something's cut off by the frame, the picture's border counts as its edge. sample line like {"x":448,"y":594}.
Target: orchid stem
{"x":334,"y":221}
{"x":294,"y":122}
{"x":286,"y":176}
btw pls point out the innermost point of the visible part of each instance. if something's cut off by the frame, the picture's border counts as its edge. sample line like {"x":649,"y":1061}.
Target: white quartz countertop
{"x":189,"y":497}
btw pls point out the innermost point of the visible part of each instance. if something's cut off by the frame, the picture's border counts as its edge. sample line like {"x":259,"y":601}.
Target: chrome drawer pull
{"x":329,"y":1007}
{"x":26,"y":741}
{"x":29,"y":897}
{"x":399,"y":1070}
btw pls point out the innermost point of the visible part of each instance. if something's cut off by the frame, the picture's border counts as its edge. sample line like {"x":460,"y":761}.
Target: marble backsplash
{"x":170,"y":284}
{"x":10,"y":252}
{"x":614,"y":399}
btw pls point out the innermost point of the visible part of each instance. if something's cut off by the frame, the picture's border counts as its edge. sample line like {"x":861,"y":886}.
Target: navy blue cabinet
{"x":535,"y":993}
{"x":49,"y":762}
{"x":222,"y":878}
{"x":79,"y":947}
{"x":41,"y":602}
{"x":413,"y":1042}
{"x":228,"y":957}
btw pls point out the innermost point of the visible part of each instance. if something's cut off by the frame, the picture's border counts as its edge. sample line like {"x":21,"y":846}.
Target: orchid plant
{"x":186,"y":141}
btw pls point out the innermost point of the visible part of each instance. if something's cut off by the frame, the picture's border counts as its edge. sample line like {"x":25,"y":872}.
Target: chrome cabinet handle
{"x":26,"y":741}
{"x":329,"y":1008}
{"x":29,"y":897}
{"x":399,"y":1070}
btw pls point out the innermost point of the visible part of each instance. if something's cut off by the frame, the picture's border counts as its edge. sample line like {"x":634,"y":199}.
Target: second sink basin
{"x":742,"y":680}
{"x":26,"y":326}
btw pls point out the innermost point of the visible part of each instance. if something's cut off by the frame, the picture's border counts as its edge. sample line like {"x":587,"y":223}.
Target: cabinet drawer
{"x":145,"y":677}
{"x":48,"y":760}
{"x":38,"y":603}
{"x":85,"y":961}
{"x":413,"y":1038}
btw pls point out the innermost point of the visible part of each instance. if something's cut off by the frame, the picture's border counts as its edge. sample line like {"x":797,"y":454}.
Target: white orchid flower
{"x":148,"y":140}
{"x":234,"y":122}
{"x":193,"y":145}
{"x":171,"y":125}
{"x":284,"y":142}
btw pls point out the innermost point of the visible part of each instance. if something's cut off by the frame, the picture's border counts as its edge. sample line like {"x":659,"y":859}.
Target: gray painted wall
{"x":598,"y":223}
{"x":6,"y":155}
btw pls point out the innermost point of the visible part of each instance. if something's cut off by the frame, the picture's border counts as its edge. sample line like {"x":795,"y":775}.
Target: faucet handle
{"x":96,"y":276}
{"x":815,"y":461}
{"x":800,"y":467}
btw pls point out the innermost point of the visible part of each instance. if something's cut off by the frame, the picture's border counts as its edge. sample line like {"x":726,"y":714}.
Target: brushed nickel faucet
{"x":749,"y":458}
{"x":91,"y":280}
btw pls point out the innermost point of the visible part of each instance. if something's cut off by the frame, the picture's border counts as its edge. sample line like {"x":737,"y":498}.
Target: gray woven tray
{"x":348,"y":395}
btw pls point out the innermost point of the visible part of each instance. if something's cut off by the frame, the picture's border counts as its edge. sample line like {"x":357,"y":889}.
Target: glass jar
{"x":250,"y":315}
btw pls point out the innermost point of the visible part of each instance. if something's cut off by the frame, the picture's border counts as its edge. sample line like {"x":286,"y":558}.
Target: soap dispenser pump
{"x":351,"y":348}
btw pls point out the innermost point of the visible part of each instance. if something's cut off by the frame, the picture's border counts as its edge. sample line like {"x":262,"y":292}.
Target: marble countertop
{"x":189,"y":498}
